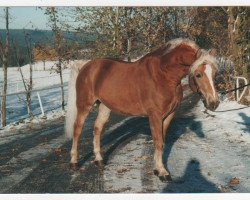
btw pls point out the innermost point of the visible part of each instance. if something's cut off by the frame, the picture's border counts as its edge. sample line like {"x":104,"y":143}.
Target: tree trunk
{"x":28,"y":96}
{"x":4,"y":92}
{"x":116,"y":31}
{"x":27,"y":102}
{"x":43,"y":65}
{"x":238,"y":41}
{"x":231,"y":21}
{"x":61,"y":80}
{"x":5,"y":69}
{"x":129,"y":49}
{"x":30,"y":85}
{"x":57,"y":43}
{"x":164,"y":27}
{"x":128,"y":19}
{"x":176,"y":28}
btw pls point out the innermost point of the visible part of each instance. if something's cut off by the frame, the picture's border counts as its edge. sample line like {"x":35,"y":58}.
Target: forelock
{"x":204,"y":58}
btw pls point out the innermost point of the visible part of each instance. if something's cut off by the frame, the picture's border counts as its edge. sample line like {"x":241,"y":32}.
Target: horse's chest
{"x":179,"y":93}
{"x":173,"y":99}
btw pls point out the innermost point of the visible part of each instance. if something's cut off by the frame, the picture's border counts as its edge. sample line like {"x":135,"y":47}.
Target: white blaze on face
{"x":208,"y":71}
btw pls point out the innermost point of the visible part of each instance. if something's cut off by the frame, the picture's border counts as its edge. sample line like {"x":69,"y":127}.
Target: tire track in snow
{"x":26,"y":162}
{"x":17,"y":145}
{"x":28,"y":173}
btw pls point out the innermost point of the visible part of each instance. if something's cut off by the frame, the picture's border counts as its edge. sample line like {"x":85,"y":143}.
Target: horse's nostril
{"x":212,"y":105}
{"x":215,"y":105}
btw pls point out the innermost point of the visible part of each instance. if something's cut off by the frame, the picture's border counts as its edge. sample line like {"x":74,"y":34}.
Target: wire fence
{"x":43,"y":100}
{"x":17,"y":85}
{"x":35,"y":90}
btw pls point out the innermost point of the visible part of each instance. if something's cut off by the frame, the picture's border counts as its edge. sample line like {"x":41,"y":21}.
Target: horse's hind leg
{"x":100,"y":121}
{"x":80,"y":119}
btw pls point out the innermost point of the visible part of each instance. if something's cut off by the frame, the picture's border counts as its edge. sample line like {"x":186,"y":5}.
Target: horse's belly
{"x":124,"y":106}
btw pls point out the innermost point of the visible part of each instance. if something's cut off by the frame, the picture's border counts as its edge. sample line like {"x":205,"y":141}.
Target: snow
{"x":36,"y":154}
{"x":51,"y":98}
{"x":35,"y":121}
{"x":203,"y":153}
{"x":230,"y":116}
{"x":41,"y":78}
{"x":216,"y":146}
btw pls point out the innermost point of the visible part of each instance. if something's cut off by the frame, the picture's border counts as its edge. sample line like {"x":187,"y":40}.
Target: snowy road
{"x":200,"y":153}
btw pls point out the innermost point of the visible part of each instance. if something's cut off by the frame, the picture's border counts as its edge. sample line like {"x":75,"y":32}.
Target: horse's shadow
{"x":246,"y":122}
{"x":180,"y":124}
{"x":191,"y":181}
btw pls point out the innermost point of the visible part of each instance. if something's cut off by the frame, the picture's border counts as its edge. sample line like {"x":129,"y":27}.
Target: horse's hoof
{"x":165,"y":178}
{"x":73,"y":166}
{"x":156,"y":172}
{"x":99,"y":164}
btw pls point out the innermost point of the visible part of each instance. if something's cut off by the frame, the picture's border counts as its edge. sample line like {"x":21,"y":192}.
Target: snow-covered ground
{"x":232,"y":118}
{"x":204,"y":153}
{"x":41,"y":77}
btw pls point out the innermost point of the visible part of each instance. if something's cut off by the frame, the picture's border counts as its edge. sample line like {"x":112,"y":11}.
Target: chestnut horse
{"x":150,"y":86}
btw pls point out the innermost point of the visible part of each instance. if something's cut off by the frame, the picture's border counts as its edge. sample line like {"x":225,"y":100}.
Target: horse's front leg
{"x":156,"y":127}
{"x":166,"y":123}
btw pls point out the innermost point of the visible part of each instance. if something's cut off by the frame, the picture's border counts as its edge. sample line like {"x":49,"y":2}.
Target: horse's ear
{"x":192,"y":83}
{"x":212,"y":52}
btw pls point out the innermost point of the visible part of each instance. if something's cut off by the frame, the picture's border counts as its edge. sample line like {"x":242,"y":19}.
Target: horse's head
{"x":202,"y":77}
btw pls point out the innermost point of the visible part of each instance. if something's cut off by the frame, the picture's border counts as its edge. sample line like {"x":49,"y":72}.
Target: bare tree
{"x":238,"y":33}
{"x":27,"y":86}
{"x":58,"y":39}
{"x":5,"y":54}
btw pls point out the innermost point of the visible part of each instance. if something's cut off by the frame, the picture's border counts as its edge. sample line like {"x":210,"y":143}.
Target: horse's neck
{"x":178,"y":63}
{"x":177,"y":73}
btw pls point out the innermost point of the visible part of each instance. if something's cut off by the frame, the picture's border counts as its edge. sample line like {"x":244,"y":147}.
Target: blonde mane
{"x":205,"y":56}
{"x":172,"y":44}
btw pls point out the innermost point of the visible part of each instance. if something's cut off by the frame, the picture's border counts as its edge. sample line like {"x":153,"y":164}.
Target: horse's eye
{"x":198,"y":75}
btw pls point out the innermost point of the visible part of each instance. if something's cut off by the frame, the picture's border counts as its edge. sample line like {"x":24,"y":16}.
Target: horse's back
{"x":107,"y":70}
{"x":116,"y":84}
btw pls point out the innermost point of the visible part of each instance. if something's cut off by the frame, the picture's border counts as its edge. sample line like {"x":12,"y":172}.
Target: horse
{"x":150,"y":87}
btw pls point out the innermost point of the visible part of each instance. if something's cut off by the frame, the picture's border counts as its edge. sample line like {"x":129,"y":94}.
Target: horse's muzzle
{"x":211,"y":105}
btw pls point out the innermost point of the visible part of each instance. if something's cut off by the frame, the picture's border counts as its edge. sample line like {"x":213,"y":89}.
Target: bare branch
{"x":224,"y":9}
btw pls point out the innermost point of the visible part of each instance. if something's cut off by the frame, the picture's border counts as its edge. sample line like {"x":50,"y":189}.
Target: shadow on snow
{"x":246,"y":121}
{"x":191,"y":181}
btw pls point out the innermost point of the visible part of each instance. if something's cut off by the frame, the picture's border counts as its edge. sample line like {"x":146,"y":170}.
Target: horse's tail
{"x":72,"y":109}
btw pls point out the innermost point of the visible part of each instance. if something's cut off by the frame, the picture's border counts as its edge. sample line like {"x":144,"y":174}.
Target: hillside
{"x":44,"y":37}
